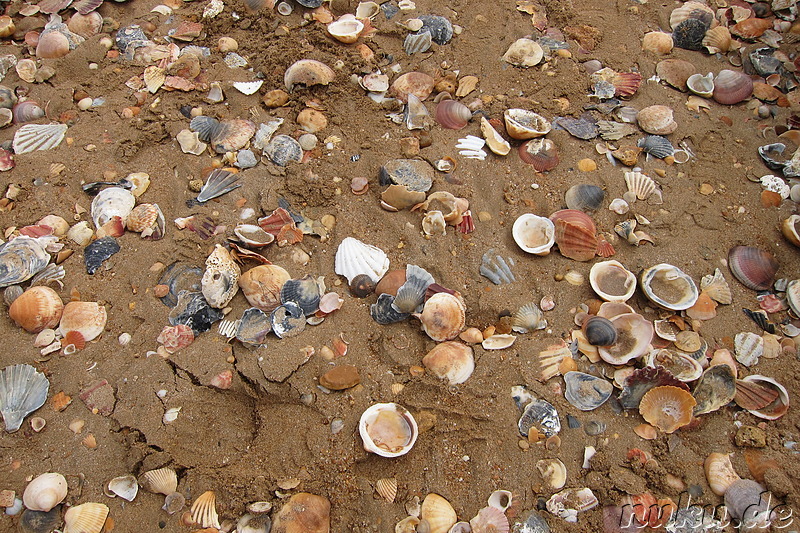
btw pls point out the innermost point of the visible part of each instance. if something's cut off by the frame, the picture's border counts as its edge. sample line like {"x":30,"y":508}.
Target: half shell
{"x":110,"y":203}
{"x":45,"y":491}
{"x":388,"y":430}
{"x":522,"y":124}
{"x":669,"y":287}
{"x":668,"y":408}
{"x":85,"y":518}
{"x":161,"y":481}
{"x":634,"y":334}
{"x":307,"y":72}
{"x":86,"y":318}
{"x":443,"y":317}
{"x":586,"y":392}
{"x":753,"y":267}
{"x":32,"y":137}
{"x":20,"y":259}
{"x":204,"y":510}
{"x":534,"y":234}
{"x":612,"y":281}
{"x":37,"y":308}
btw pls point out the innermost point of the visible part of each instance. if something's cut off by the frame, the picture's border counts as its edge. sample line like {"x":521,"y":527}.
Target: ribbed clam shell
{"x":668,"y":286}
{"x":523,"y":124}
{"x":443,"y":317}
{"x":450,"y":360}
{"x":218,"y":183}
{"x":599,"y":331}
{"x":387,"y":488}
{"x":254,"y":326}
{"x":411,"y":294}
{"x":689,"y":34}
{"x":717,"y":40}
{"x":112,"y":202}
{"x":715,"y":389}
{"x":612,"y":281}
{"x":219,"y":282}
{"x":640,"y":184}
{"x":656,"y":145}
{"x":584,"y":197}
{"x":154,"y":77}
{"x":528,"y":318}
{"x":753,"y":267}
{"x":37,"y":308}
{"x":763,"y":396}
{"x":657,"y":120}
{"x":262,"y":285}
{"x":539,"y":153}
{"x":232,"y":135}
{"x":354,"y":257}
{"x":20,"y":259}
{"x":586,"y":392}
{"x":666,"y":407}
{"x":27,"y":111}
{"x":307,"y":72}
{"x":204,"y":126}
{"x":731,"y":87}
{"x":23,"y":390}
{"x":304,"y":292}
{"x":634,"y":336}
{"x":85,"y":518}
{"x":490,"y":520}
{"x":86,"y":318}
{"x":438,"y":512}
{"x":749,"y":347}
{"x":693,"y":10}
{"x":204,"y":510}
{"x":388,"y":430}
{"x":417,"y":42}
{"x":452,"y":114}
{"x":31,"y":137}
{"x":148,"y":220}
{"x":575,"y":234}
{"x":717,"y":287}
{"x":283,"y":149}
{"x":161,"y":481}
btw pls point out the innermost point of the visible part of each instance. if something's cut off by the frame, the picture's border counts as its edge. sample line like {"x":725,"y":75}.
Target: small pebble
{"x":340,"y":378}
{"x":750,"y":437}
{"x":706,"y":189}
{"x":246,"y":159}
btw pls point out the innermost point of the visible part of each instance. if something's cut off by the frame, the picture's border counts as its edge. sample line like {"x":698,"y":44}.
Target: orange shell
{"x":443,"y":316}
{"x":704,"y":308}
{"x":667,"y":408}
{"x":751,"y":28}
{"x":304,"y":512}
{"x":262,"y":285}
{"x":36,"y":309}
{"x":142,"y":217}
{"x":87,"y":318}
{"x":575,"y":234}
{"x":416,"y":83}
{"x":76,"y":339}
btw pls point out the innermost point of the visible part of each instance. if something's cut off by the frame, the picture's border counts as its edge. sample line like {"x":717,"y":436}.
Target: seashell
{"x":384,"y":313}
{"x":524,"y":53}
{"x":311,"y":120}
{"x":7,"y":26}
{"x":20,"y":259}
{"x":762,"y":397}
{"x":528,"y":318}
{"x":85,"y":318}
{"x":623,"y":84}
{"x":95,"y":254}
{"x":253,"y":328}
{"x":161,"y":481}
{"x":438,"y":513}
{"x":656,"y":146}
{"x":793,"y":296}
{"x":498,"y":342}
{"x":534,"y":234}
{"x":417,"y":42}
{"x":715,"y":389}
{"x":27,"y":111}
{"x":656,"y":119}
{"x":539,"y":416}
{"x":375,"y":82}
{"x":692,"y":10}
{"x":411,"y":295}
{"x":85,"y":518}
{"x":641,"y":380}
{"x":31,"y":137}
{"x":749,"y":504}
{"x":193,"y":310}
{"x":288,"y":320}
{"x":36,"y":309}
{"x":232,"y":135}
{"x":496,"y":268}
{"x":204,"y":511}
{"x":86,"y":24}
{"x":551,"y":360}
{"x":346,"y":29}
{"x":540,"y":153}
{"x":553,"y":472}
{"x":52,"y":45}
{"x":612,"y":281}
{"x":148,"y":220}
{"x":569,"y":502}
{"x":701,"y":85}
{"x":45,"y":491}
{"x":219,"y":182}
{"x":452,"y":114}
{"x":112,"y":202}
{"x":262,"y":286}
{"x":353,"y":257}
{"x":586,"y":392}
{"x":283,"y":149}
{"x":751,"y":28}
{"x":500,"y":499}
{"x":408,"y":524}
{"x":362,"y":286}
{"x":731,"y":87}
{"x":753,"y":267}
{"x":634,"y":334}
{"x":391,"y":282}
{"x":717,"y":40}
{"x":584,"y":197}
{"x":204,"y":127}
{"x":125,"y":487}
{"x":599,"y":331}
{"x":219,"y":282}
{"x":175,"y":338}
{"x":433,"y":223}
{"x":669,"y":287}
{"x":387,"y":488}
{"x":307,"y":72}
{"x":490,"y":520}
{"x":304,"y":292}
{"x":7,"y":98}
{"x":388,"y":430}
{"x":657,"y":42}
{"x":443,"y":316}
{"x":180,"y":277}
{"x":683,"y":367}
{"x":440,"y":28}
{"x":450,"y":360}
{"x":416,"y":83}
{"x":174,"y":502}
{"x":252,"y":235}
{"x":522,"y":124}
{"x":414,"y":174}
{"x":689,"y":34}
{"x":496,"y":143}
{"x":575,"y":234}
{"x":666,"y":407}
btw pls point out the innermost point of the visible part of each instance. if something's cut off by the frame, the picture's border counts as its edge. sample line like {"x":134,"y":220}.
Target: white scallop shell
{"x":717,"y":287}
{"x":204,"y":510}
{"x":23,"y":390}
{"x":534,"y":234}
{"x":749,"y":347}
{"x":112,"y":202}
{"x":354,"y":257}
{"x":162,"y":481}
{"x":32,"y":137}
{"x":248,"y":87}
{"x":640,"y":184}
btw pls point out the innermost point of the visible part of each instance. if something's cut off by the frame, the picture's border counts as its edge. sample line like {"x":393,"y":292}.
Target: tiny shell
{"x":450,"y":360}
{"x":534,"y":234}
{"x":666,"y":407}
{"x":387,"y":488}
{"x":656,"y":119}
{"x":388,"y":430}
{"x":599,"y":331}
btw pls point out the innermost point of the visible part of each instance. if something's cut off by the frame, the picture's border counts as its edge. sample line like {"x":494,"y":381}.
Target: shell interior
{"x":586,"y":392}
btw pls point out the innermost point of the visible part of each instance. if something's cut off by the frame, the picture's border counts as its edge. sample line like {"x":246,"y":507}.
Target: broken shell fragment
{"x":450,"y":360}
{"x":204,"y":510}
{"x":494,"y":140}
{"x":669,"y":287}
{"x":388,"y":430}
{"x":524,"y":53}
{"x":762,"y":396}
{"x":522,"y":124}
{"x":534,"y":234}
{"x":719,"y":472}
{"x":586,"y":392}
{"x":553,"y":472}
{"x":346,"y":29}
{"x":701,"y":85}
{"x":540,"y":416}
{"x":126,"y":487}
{"x":715,"y":389}
{"x":666,"y":407}
{"x":307,"y":72}
{"x":569,"y":502}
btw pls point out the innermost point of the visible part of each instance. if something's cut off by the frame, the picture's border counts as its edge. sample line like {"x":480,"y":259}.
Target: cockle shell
{"x":612,"y":281}
{"x":161,"y":481}
{"x":443,"y":317}
{"x":219,"y":283}
{"x":37,"y":308}
{"x":52,"y":44}
{"x":307,"y":72}
{"x":534,"y":234}
{"x":666,"y":407}
{"x":522,"y":124}
{"x":388,"y":430}
{"x":85,"y":518}
{"x":541,"y":154}
{"x":262,"y":286}
{"x":731,"y":87}
{"x":417,"y":83}
{"x":126,"y":487}
{"x":680,"y":365}
{"x":450,"y":360}
{"x":204,"y":510}
{"x":657,"y":119}
{"x":753,"y":267}
{"x":86,"y":25}
{"x":438,"y":513}
{"x":528,"y":318}
{"x":85,"y":318}
{"x":387,"y":488}
{"x":354,"y":257}
{"x":45,"y":492}
{"x":657,"y":42}
{"x":634,"y":336}
{"x":669,"y":287}
{"x":112,"y":202}
{"x":717,"y":40}
{"x":148,"y":220}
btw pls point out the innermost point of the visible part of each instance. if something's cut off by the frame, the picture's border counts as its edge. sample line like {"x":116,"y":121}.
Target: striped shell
{"x":85,"y":518}
{"x":452,"y":114}
{"x":753,"y":267}
{"x":656,"y":145}
{"x":640,"y":184}
{"x":32,"y":137}
{"x":148,"y":220}
{"x":387,"y":488}
{"x":204,"y":510}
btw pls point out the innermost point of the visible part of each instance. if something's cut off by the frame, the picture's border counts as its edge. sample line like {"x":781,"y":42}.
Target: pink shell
{"x":452,"y":114}
{"x":490,"y":519}
{"x":222,"y":380}
{"x":540,"y":153}
{"x":275,"y":221}
{"x":753,"y":267}
{"x":731,"y":87}
{"x":175,"y":338}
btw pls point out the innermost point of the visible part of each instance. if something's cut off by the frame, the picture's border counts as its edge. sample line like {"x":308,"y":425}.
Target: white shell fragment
{"x":354,"y":257}
{"x":471,"y":147}
{"x":248,"y":87}
{"x":110,"y":203}
{"x":32,"y":137}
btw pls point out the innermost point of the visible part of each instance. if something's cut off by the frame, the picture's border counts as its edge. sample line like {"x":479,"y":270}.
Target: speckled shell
{"x":443,"y":317}
{"x":731,"y":87}
{"x":219,"y":283}
{"x":657,"y":119}
{"x":283,"y":149}
{"x":37,"y":308}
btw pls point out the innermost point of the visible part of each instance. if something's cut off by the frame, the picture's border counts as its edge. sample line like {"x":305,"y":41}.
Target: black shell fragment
{"x":97,"y":252}
{"x":193,"y":310}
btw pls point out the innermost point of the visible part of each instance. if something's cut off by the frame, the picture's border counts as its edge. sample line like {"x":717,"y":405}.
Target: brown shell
{"x":86,"y":25}
{"x":37,"y":308}
{"x":717,"y":40}
{"x":303,"y":513}
{"x":766,"y":92}
{"x":657,"y":42}
{"x":751,"y":28}
{"x":657,"y":119}
{"x":540,"y":153}
{"x":391,"y":282}
{"x":262,"y":285}
{"x":667,"y":408}
{"x":675,"y":72}
{"x":575,"y":234}
{"x":52,"y":45}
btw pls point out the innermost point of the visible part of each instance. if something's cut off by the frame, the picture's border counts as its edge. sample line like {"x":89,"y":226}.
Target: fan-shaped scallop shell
{"x":666,"y":407}
{"x":753,"y":267}
{"x":204,"y":126}
{"x":695,"y":10}
{"x":490,"y":520}
{"x":443,"y":317}
{"x":656,"y":145}
{"x":85,"y":518}
{"x":717,"y":40}
{"x":148,"y":220}
{"x":450,"y":360}
{"x":354,"y":257}
{"x":20,"y":259}
{"x":763,"y":396}
{"x":204,"y":510}
{"x":219,"y":282}
{"x":112,"y":202}
{"x":528,"y":318}
{"x":23,"y":390}
{"x":161,"y":481}
{"x":438,"y":512}
{"x":32,"y":137}
{"x":411,"y":294}
{"x":305,"y":292}
{"x":640,"y":184}
{"x":37,"y":308}
{"x":231,"y":135}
